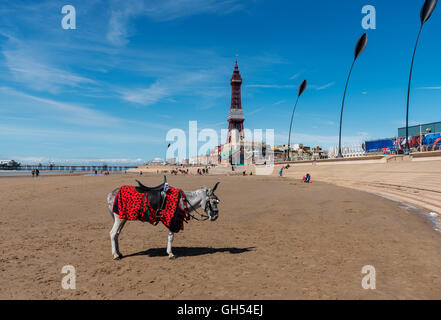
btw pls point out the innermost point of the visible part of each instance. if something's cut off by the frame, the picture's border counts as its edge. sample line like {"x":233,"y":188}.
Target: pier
{"x":68,"y":168}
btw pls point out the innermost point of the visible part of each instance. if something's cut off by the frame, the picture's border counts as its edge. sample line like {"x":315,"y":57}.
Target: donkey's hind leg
{"x":114,"y":234}
{"x":171,"y":235}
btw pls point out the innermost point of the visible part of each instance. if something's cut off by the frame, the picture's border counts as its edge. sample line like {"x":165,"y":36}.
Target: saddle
{"x":144,"y":189}
{"x":156,"y":196}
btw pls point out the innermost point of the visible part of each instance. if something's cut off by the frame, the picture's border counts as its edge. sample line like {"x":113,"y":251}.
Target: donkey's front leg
{"x":114,"y":234}
{"x":169,"y":245}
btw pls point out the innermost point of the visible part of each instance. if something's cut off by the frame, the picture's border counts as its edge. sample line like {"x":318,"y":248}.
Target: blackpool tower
{"x":235,"y":116}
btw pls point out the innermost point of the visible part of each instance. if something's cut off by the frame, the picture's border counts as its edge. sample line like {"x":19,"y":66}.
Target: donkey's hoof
{"x":117,"y":257}
{"x":171,"y":256}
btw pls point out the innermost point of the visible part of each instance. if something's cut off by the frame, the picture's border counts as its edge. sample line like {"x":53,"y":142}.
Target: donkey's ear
{"x":215,"y":187}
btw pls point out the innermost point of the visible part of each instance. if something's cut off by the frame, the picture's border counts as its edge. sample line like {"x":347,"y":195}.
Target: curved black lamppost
{"x":425,"y":14}
{"x":302,"y":89}
{"x":166,"y":150}
{"x":359,"y":47}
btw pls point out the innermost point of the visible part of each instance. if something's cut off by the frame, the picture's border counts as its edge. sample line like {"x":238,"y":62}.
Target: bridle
{"x":204,"y":217}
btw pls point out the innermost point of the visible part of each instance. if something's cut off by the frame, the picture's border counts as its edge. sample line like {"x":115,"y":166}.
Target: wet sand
{"x":275,"y":239}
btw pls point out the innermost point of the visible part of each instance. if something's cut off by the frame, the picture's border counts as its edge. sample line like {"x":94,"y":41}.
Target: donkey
{"x":202,"y":198}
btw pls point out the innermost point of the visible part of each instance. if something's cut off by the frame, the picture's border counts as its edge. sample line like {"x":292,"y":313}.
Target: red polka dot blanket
{"x":131,"y":205}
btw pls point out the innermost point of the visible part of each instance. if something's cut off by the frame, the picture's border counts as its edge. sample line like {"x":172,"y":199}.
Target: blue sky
{"x":132,"y":70}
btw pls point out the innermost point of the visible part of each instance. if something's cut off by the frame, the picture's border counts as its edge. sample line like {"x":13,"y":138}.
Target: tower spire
{"x":236,"y":117}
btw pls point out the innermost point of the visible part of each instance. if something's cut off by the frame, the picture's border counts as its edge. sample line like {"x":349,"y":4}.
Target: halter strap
{"x":205,"y":217}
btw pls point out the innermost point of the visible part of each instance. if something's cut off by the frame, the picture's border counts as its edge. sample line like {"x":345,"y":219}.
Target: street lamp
{"x":425,"y":14}
{"x":166,"y":150}
{"x":302,"y":89}
{"x":359,"y":47}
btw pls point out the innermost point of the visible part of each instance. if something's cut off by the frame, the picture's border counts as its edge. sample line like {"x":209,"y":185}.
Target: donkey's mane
{"x":192,"y":194}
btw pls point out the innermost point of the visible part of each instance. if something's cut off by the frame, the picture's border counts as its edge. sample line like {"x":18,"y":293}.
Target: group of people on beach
{"x":35,"y":173}
{"x":202,"y":171}
{"x":306,"y":178}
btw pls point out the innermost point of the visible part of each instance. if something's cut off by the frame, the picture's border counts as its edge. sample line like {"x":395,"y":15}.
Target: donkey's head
{"x":210,"y":202}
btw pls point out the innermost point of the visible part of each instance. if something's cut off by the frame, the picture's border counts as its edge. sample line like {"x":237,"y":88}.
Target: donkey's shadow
{"x":188,"y":251}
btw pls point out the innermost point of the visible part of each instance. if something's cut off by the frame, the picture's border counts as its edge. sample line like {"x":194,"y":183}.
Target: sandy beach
{"x":275,"y":239}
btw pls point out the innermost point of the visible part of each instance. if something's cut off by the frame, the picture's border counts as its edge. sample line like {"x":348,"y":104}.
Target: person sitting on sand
{"x":307,"y":178}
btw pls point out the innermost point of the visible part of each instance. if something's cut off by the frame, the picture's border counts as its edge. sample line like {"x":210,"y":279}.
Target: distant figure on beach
{"x":96,"y":172}
{"x":307,"y":178}
{"x":33,"y":173}
{"x":244,"y":173}
{"x":140,"y":173}
{"x":37,"y":172}
{"x":281,"y":172}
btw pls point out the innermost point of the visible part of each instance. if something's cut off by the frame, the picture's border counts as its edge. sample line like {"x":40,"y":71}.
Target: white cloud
{"x":148,"y":96}
{"x":165,"y":10}
{"x":430,"y":88}
{"x":27,"y":66}
{"x":66,"y":137}
{"x":295,"y":76}
{"x":165,"y":87}
{"x":273,"y":86}
{"x":326,"y":86}
{"x":66,"y":112}
{"x":255,"y":111}
{"x":289,"y":86}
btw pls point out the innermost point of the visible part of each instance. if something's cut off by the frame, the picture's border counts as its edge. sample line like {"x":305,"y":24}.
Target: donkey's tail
{"x":111,"y":200}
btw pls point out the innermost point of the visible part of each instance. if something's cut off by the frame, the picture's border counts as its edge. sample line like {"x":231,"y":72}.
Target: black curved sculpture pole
{"x":340,"y":155}
{"x":359,"y":48}
{"x":166,"y":150}
{"x":290,"y":127}
{"x":302,"y":89}
{"x":425,"y":14}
